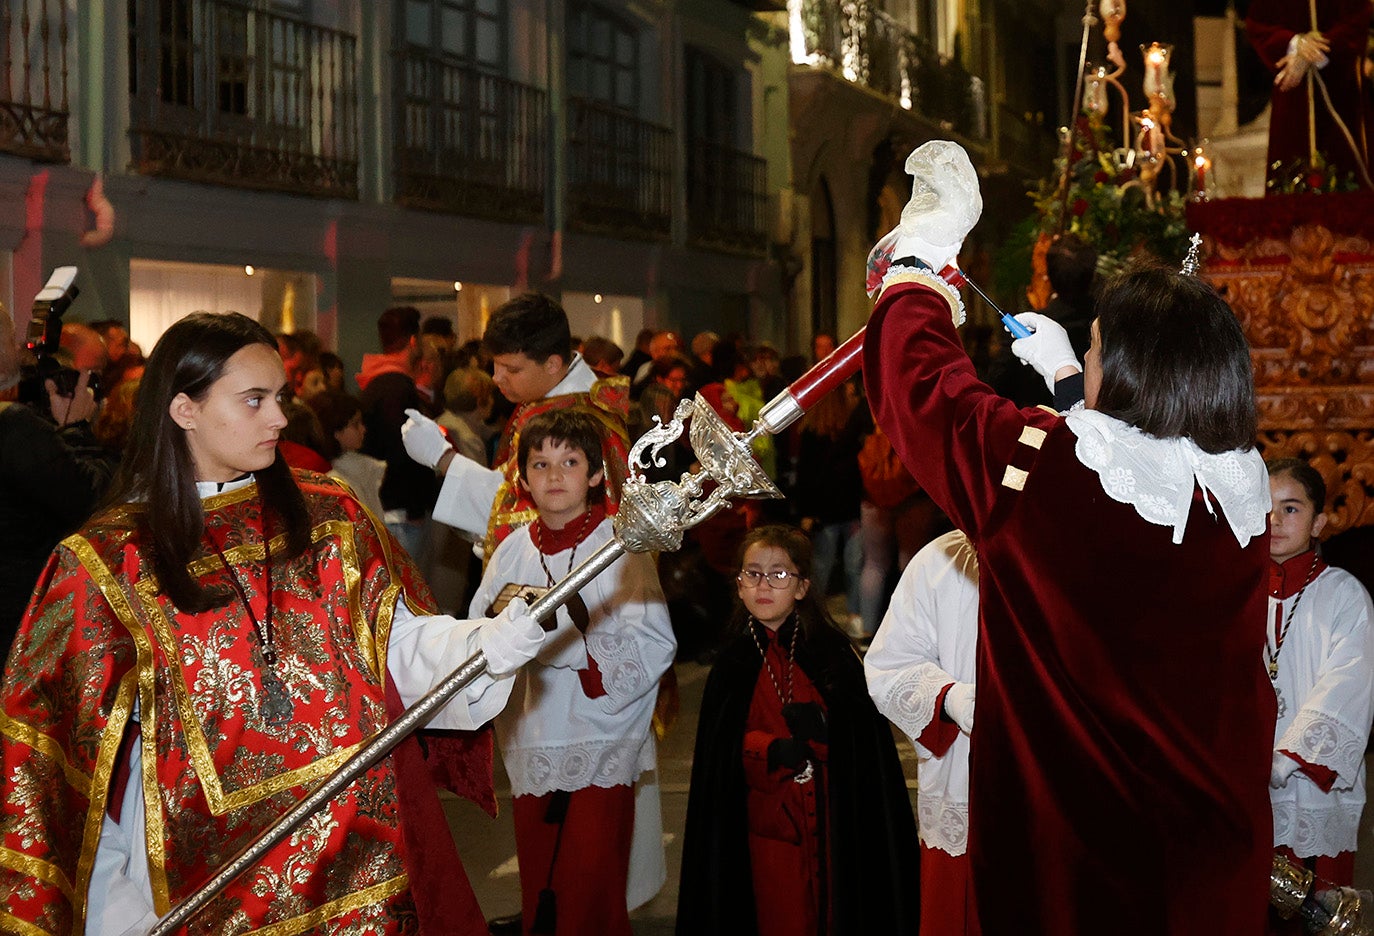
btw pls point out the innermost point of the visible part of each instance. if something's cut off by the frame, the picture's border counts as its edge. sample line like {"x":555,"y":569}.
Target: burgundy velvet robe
{"x":1120,"y":756}
{"x":1270,"y":24}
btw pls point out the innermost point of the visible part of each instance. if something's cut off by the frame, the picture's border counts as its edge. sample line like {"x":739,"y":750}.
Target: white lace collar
{"x":1156,"y":476}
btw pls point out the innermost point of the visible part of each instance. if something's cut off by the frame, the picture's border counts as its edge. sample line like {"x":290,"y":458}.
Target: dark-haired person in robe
{"x":1125,"y":723}
{"x":205,"y":651}
{"x":798,"y":818}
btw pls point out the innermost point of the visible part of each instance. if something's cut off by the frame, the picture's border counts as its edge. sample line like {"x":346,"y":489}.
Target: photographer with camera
{"x":52,"y":471}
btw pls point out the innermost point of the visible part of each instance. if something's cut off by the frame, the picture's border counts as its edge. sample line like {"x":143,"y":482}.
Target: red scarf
{"x":576,"y":530}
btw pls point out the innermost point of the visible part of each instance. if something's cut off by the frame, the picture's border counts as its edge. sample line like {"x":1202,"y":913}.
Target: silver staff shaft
{"x":413,"y":719}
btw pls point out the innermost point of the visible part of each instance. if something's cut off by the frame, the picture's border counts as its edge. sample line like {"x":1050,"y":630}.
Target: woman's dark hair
{"x":1174,"y":360}
{"x":1308,"y":478}
{"x":531,"y":324}
{"x":158,"y":472}
{"x":811,"y":611}
{"x":335,"y":411}
{"x":568,"y":427}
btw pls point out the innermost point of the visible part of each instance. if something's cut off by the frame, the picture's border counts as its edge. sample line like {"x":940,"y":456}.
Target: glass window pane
{"x":417,"y":22}
{"x":489,"y":42}
{"x":625,"y":90}
{"x":601,"y":38}
{"x":601,"y":81}
{"x":455,"y":29}
{"x":624,"y":48}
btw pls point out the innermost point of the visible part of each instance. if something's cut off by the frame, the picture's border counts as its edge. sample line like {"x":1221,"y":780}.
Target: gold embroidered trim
{"x":1015,"y":478}
{"x":1032,"y":436}
{"x":336,"y":908}
{"x":21,"y":733}
{"x":118,"y":719}
{"x":216,"y":501}
{"x":39,"y":870}
{"x":1049,"y":409}
{"x":12,"y":924}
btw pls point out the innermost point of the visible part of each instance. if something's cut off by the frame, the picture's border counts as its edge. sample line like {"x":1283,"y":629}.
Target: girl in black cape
{"x":798,"y":820}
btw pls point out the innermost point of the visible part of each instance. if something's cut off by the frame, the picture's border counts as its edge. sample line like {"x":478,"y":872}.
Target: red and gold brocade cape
{"x":608,"y":401}
{"x":100,"y":636}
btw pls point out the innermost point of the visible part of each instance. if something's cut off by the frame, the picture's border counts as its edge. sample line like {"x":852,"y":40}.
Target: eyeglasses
{"x":775,"y":579}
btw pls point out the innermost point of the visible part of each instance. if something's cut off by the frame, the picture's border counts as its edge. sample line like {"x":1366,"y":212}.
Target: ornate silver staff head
{"x":1190,"y":264}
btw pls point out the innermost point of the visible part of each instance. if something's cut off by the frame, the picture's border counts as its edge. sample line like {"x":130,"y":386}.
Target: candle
{"x":1157,"y":69}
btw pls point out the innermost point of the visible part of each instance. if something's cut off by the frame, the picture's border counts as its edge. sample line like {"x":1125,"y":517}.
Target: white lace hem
{"x":1325,"y":829}
{"x":910,"y":701}
{"x":536,"y":771}
{"x":1156,"y":476}
{"x":943,"y":823}
{"x":1323,"y":739}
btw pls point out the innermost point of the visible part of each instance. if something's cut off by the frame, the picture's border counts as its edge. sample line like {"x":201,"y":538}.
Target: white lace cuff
{"x":623,"y":674}
{"x":910,"y":700}
{"x":1322,"y":739}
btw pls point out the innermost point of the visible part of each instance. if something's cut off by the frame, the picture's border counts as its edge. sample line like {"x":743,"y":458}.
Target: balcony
{"x":33,"y":86}
{"x":469,"y":142}
{"x":727,"y":198}
{"x":866,"y":46}
{"x":230,"y":94}
{"x":620,"y":172}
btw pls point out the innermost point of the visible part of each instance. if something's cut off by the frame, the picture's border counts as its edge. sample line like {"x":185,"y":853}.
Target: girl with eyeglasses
{"x":798,"y":819}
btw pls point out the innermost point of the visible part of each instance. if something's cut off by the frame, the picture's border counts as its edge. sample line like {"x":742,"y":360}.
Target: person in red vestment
{"x":210,"y":647}
{"x":1333,"y":52}
{"x":1118,"y":776}
{"x":798,"y":818}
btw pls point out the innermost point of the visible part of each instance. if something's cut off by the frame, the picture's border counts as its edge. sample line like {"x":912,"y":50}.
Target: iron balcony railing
{"x":727,"y":198}
{"x":620,"y":172}
{"x":229,"y":93}
{"x":469,"y":142}
{"x":870,"y":48}
{"x":33,"y":79}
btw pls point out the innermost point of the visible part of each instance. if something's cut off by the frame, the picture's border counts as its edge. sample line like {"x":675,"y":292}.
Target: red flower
{"x":1079,"y":207}
{"x":1100,"y":176}
{"x":1315,"y":180}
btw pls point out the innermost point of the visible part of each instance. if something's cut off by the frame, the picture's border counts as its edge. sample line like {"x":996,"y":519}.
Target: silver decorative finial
{"x":1190,"y":262}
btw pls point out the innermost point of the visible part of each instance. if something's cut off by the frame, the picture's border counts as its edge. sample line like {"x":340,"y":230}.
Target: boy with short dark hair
{"x":575,"y":736}
{"x":535,"y":368}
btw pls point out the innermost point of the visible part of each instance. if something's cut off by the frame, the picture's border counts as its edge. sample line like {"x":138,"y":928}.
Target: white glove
{"x":945,"y":204}
{"x":424,"y":439}
{"x":511,"y":639}
{"x":1047,"y":350}
{"x":1281,"y":768}
{"x":959,"y":705}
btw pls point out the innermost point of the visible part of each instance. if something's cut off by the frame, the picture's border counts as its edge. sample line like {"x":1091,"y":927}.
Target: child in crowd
{"x":798,"y":819}
{"x":576,"y":734}
{"x":920,"y":673}
{"x":341,"y":417}
{"x":1320,"y":657}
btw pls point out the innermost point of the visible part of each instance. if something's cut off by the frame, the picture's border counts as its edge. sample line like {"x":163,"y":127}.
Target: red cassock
{"x":1270,"y":25}
{"x":1120,"y":755}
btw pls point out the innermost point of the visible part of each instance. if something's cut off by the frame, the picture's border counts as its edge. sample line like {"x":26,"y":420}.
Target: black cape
{"x":874,"y":854}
